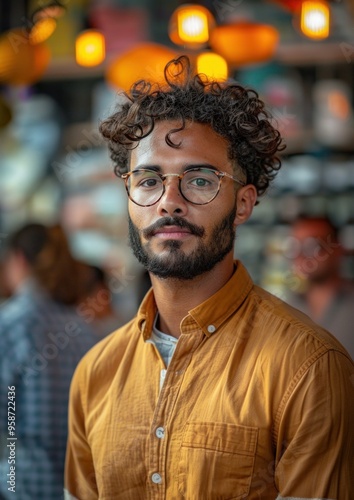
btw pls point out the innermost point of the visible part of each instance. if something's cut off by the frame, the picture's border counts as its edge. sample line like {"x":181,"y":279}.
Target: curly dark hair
{"x":234,"y":112}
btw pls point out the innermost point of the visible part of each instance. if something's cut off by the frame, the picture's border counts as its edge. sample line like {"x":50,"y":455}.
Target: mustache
{"x":173,"y":221}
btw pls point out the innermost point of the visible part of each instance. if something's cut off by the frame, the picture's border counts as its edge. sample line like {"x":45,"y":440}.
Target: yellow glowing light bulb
{"x":315,"y":19}
{"x":212,"y":65}
{"x":90,"y":48}
{"x":190,"y":25}
{"x":193,"y":26}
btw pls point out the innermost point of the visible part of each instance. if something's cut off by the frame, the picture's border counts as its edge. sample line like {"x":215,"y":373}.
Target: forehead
{"x":316,"y":229}
{"x":197,"y":143}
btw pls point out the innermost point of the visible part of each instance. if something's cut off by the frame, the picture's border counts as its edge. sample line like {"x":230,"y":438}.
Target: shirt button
{"x":211,"y":328}
{"x":156,"y":478}
{"x":160,"y":432}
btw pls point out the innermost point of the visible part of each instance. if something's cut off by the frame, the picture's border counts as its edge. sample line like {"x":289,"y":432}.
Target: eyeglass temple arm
{"x":243,"y":183}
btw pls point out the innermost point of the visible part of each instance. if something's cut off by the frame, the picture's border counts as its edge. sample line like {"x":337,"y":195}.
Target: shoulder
{"x":14,"y":309}
{"x":26,"y":322}
{"x":17,"y":317}
{"x":290,"y":331}
{"x":105,"y":356}
{"x":296,"y":359}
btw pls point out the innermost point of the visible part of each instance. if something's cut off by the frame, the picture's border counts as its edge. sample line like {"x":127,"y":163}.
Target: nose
{"x":172,"y":201}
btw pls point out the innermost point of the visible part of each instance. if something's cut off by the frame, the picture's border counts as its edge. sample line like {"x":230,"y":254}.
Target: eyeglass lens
{"x":198,"y":186}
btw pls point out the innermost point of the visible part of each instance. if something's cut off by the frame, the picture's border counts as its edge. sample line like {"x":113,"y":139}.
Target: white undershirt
{"x":165,"y":344}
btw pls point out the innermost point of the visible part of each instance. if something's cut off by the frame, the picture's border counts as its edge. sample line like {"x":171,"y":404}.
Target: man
{"x":96,"y":307}
{"x":41,"y":341}
{"x":216,"y":390}
{"x":316,"y":283}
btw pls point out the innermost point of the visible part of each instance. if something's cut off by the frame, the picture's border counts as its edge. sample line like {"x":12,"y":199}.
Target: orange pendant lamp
{"x":242,"y":43}
{"x":144,"y":61}
{"x":42,"y":30}
{"x":22,"y":62}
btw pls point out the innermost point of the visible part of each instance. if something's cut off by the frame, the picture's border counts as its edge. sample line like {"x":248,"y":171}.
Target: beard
{"x":177,"y":264}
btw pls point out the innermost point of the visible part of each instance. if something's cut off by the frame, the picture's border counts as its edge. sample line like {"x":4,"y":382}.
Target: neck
{"x":174,"y":298}
{"x":319,"y":296}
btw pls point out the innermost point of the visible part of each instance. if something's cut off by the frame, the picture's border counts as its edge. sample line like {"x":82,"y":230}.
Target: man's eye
{"x":200,"y":182}
{"x":149,"y":182}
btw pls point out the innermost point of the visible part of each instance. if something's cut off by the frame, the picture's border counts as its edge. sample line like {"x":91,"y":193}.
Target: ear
{"x":246,"y":199}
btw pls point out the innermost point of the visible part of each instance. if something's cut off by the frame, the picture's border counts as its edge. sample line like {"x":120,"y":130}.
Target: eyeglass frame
{"x":219,"y":174}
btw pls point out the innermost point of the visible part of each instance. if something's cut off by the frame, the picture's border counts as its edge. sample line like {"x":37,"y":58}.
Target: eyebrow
{"x":158,"y":169}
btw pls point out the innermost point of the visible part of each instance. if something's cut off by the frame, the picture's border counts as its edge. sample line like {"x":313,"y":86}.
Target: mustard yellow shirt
{"x":257,"y":403}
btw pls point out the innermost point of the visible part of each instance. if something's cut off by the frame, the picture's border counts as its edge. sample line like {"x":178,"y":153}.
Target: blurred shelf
{"x":306,"y":141}
{"x":66,"y":68}
{"x":300,"y":143}
{"x":296,"y":54}
{"x":316,"y":53}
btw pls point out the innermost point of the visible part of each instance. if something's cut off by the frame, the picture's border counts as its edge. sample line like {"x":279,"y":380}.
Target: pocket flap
{"x":229,"y":438}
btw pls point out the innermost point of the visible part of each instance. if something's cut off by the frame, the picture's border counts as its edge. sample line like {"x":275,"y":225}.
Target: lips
{"x":171,"y":233}
{"x":171,"y":230}
{"x":173,"y":226}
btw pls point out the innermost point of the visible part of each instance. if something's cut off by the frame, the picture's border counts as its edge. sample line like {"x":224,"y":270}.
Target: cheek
{"x":134,"y":212}
{"x":220,"y":208}
{"x":141,"y":217}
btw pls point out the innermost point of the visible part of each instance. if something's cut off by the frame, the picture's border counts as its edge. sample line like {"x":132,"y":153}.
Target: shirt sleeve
{"x":80,"y":475}
{"x":315,"y":439}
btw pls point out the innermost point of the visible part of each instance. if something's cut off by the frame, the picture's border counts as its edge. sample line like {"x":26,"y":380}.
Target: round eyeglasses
{"x":198,"y":185}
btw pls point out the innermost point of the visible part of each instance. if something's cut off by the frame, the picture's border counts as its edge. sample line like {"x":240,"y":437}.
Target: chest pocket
{"x":216,"y":461}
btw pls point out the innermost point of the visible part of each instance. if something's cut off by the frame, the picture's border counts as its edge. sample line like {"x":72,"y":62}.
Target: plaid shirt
{"x":41,"y":343}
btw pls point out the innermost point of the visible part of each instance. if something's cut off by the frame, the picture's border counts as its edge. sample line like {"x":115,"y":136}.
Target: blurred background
{"x":62,"y":64}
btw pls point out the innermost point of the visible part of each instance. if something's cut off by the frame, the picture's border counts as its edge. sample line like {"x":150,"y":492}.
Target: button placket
{"x":158,"y":444}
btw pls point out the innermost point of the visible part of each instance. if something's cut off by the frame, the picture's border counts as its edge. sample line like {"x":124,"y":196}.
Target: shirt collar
{"x":146,"y":314}
{"x":212,"y":313}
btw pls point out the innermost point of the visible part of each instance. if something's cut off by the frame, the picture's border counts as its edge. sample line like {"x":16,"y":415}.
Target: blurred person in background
{"x":42,"y":338}
{"x":4,"y":290}
{"x":317,"y":286}
{"x":96,"y":307}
